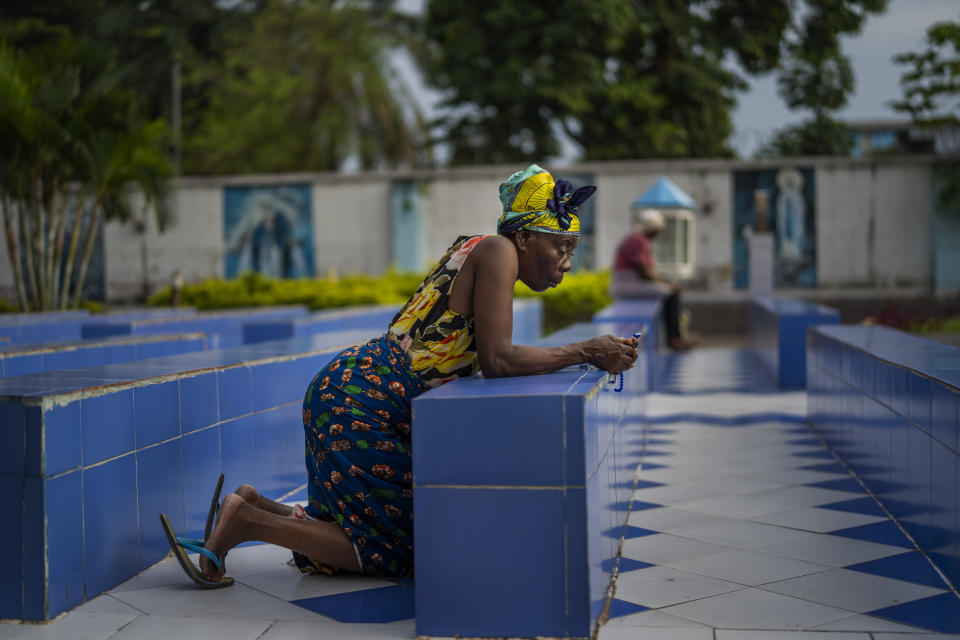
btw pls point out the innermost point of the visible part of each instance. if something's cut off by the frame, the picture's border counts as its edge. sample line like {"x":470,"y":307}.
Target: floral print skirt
{"x":356,"y":421}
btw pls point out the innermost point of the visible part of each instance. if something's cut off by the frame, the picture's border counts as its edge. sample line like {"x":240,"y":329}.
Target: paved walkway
{"x":746,"y":526}
{"x":743,"y":527}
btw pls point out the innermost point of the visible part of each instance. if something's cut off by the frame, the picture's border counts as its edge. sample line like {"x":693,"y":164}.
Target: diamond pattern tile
{"x":911,"y":567}
{"x":833,"y":550}
{"x":742,"y":534}
{"x":852,"y":590}
{"x":742,"y":525}
{"x":936,"y":613}
{"x":748,"y":568}
{"x":884,"y":532}
{"x":384,"y":604}
{"x":753,"y":608}
{"x":659,"y":587}
{"x":817,"y":519}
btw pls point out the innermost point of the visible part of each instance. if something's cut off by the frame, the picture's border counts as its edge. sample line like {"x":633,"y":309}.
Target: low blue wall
{"x":527,"y":320}
{"x":632,"y":313}
{"x":55,"y":356}
{"x":88,"y":459}
{"x":58,"y":326}
{"x":30,"y":328}
{"x":778,"y":336}
{"x":522,"y":487}
{"x":223,"y":328}
{"x":888,"y":403}
{"x":375,"y":319}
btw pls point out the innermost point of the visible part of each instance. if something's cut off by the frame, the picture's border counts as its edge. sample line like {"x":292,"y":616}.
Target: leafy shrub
{"x":948,"y":324}
{"x":575,"y":300}
{"x":914,"y":321}
{"x":254,"y":290}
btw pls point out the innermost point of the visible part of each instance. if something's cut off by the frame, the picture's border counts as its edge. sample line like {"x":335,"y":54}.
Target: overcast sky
{"x":760,"y":110}
{"x":901,"y":28}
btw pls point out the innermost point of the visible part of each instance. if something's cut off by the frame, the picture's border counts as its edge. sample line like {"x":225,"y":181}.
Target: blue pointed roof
{"x":664,"y":194}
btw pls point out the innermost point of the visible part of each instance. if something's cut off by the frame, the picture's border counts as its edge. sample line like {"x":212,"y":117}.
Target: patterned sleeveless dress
{"x":356,"y":419}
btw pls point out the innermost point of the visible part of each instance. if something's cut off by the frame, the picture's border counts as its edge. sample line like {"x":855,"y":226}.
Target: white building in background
{"x":865,"y":223}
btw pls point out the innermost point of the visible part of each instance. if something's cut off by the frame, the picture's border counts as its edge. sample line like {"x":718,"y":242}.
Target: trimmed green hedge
{"x":576,"y":299}
{"x":255,"y":290}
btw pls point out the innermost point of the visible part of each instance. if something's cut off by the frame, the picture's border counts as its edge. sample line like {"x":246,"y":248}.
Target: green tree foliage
{"x":145,"y":40}
{"x":626,"y":79}
{"x":931,"y":86}
{"x":817,"y":77}
{"x":73,"y":141}
{"x":822,"y":136}
{"x":266,"y":85}
{"x":309,"y":85}
{"x":931,"y":95}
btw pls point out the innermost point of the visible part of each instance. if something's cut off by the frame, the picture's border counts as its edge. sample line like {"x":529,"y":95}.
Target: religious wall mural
{"x":783,"y":202}
{"x":268,"y":229}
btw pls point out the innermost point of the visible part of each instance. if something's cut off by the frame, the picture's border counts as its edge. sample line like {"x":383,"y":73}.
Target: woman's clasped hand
{"x":613,"y":354}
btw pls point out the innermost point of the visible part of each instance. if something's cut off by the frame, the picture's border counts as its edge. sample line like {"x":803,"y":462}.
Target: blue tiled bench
{"x":373,"y":318}
{"x":649,"y":313}
{"x":520,"y":486}
{"x":57,"y":326}
{"x":888,"y":403}
{"x":778,"y":339}
{"x":527,"y":318}
{"x":89,"y":457}
{"x":53,"y":356}
{"x":31,"y":328}
{"x":223,"y":328}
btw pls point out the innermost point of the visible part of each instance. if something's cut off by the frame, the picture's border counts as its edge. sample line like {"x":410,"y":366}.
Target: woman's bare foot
{"x":248,"y":493}
{"x":239,"y":521}
{"x":227,"y":533}
{"x":253,"y":498}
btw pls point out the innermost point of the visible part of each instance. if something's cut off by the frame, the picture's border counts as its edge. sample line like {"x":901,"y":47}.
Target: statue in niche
{"x":791,"y":212}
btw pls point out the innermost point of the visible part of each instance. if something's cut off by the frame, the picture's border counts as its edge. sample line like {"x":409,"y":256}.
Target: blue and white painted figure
{"x":791,"y":211}
{"x":268,"y":230}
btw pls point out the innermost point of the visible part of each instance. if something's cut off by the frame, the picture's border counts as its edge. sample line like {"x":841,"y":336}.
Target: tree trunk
{"x":52,"y":211}
{"x":144,"y":258}
{"x":28,"y":258}
{"x":58,"y":247}
{"x":87,"y":251}
{"x":71,"y":253}
{"x":13,"y":252}
{"x":37,"y":234}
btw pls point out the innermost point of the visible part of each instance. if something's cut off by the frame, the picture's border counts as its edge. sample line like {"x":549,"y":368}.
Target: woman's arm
{"x":494,"y":275}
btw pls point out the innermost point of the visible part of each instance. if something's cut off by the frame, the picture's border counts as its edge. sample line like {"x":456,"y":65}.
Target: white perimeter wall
{"x":874,"y":225}
{"x":873,"y":220}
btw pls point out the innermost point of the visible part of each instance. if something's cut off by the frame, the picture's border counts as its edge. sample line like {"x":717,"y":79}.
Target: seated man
{"x":635,"y":274}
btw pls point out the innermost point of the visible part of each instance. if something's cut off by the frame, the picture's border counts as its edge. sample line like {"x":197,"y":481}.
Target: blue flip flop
{"x":214,"y":508}
{"x":178,"y":544}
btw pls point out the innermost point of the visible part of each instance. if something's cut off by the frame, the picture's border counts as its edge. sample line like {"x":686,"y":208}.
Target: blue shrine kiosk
{"x":675,"y":249}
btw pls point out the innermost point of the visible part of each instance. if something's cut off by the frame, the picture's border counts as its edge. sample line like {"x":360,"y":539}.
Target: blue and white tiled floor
{"x":743,"y":527}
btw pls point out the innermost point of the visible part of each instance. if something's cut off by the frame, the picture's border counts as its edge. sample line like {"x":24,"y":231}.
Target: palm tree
{"x":74,"y":146}
{"x":309,"y":85}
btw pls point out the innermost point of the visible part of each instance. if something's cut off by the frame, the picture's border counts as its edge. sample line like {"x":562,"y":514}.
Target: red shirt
{"x":634,"y":250}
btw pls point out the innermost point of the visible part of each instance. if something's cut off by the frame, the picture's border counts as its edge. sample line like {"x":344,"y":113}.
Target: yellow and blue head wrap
{"x":531,"y":200}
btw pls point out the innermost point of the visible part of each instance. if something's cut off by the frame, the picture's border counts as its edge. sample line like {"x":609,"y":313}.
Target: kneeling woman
{"x":356,"y":411}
